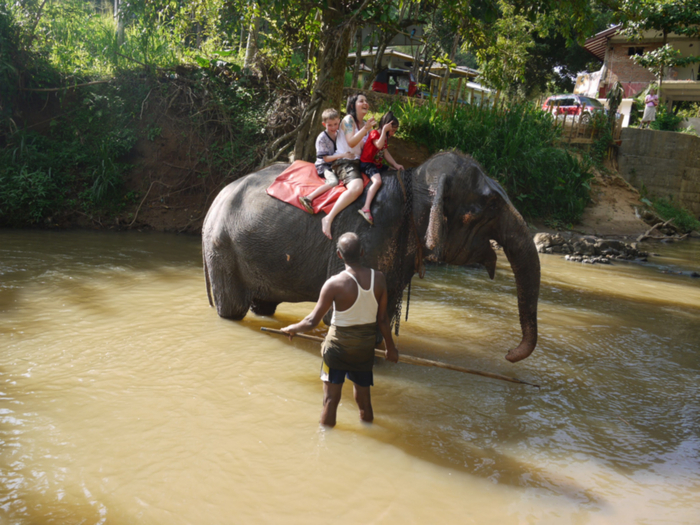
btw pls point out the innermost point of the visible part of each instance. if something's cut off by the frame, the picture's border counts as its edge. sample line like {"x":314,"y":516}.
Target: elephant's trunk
{"x":516,"y":240}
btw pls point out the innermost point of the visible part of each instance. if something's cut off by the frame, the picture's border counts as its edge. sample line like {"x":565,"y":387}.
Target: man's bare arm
{"x":392,"y":353}
{"x":325,"y":301}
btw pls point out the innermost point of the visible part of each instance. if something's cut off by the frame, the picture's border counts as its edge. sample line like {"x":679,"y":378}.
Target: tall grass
{"x":516,"y":146}
{"x":682,"y":218}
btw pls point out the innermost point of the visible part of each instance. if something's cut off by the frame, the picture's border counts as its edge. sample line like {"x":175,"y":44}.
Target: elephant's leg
{"x":263,"y":307}
{"x":230,"y":296}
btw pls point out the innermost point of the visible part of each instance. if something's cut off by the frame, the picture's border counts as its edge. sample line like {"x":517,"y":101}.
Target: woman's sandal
{"x":366,"y":215}
{"x":306,"y":203}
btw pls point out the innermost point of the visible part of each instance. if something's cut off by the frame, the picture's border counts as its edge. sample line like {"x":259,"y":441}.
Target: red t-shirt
{"x":370,"y":153}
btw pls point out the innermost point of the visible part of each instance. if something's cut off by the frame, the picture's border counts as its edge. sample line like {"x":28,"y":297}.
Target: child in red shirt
{"x":372,"y":158}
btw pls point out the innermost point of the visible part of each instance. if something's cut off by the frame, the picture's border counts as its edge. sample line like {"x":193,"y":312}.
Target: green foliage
{"x":503,"y":61}
{"x":75,"y":163}
{"x":516,"y":145}
{"x":682,"y":218}
{"x":603,"y":132}
{"x":666,"y":120}
{"x":681,"y":17}
{"x":688,"y":109}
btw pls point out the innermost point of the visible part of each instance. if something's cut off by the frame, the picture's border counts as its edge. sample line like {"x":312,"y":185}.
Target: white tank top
{"x":363,"y":310}
{"x":341,"y":143}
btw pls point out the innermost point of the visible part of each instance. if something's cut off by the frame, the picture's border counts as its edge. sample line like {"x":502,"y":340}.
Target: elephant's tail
{"x":206,"y":278}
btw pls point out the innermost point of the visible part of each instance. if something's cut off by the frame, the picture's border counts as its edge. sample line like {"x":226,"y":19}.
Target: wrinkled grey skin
{"x":259,"y":251}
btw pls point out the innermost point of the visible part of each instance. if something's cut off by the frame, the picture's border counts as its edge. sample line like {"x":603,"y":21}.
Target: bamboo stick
{"x":418,"y":361}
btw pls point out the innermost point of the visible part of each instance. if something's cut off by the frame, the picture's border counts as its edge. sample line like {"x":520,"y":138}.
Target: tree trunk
{"x":661,"y":74}
{"x":384,"y":40}
{"x":252,"y":46}
{"x":446,"y":77}
{"x":120,"y":23}
{"x":240,"y":42}
{"x":415,"y":69}
{"x":427,"y":62}
{"x":358,"y":57}
{"x":336,"y":37}
{"x":311,"y":51}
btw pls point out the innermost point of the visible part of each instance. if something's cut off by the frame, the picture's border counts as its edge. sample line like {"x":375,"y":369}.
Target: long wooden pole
{"x":418,"y":361}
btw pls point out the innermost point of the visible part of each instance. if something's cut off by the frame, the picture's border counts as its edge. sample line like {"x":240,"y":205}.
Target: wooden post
{"x":573,"y":126}
{"x":439,"y":93}
{"x":459,"y":88}
{"x":563,"y":126}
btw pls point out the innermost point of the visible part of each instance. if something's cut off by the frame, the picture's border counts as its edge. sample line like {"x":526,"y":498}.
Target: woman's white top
{"x":341,"y":142}
{"x":363,"y":310}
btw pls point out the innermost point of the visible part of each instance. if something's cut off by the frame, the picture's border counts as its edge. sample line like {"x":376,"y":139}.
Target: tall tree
{"x":681,"y":17}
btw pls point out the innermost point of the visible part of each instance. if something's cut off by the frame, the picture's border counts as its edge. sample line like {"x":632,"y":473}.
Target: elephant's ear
{"x":435,"y":236}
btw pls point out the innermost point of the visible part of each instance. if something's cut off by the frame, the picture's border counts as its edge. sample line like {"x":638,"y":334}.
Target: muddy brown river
{"x":125,"y":399}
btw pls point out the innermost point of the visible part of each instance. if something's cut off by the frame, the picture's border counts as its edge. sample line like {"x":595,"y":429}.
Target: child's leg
{"x":319,"y":191}
{"x":352,"y":191}
{"x":331,"y":182}
{"x":373,"y":189}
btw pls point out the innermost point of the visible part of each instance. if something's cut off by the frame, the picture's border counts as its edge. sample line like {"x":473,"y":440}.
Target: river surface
{"x":125,"y":399}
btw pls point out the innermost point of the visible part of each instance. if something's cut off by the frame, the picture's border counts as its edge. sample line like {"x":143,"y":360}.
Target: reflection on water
{"x":125,"y":399}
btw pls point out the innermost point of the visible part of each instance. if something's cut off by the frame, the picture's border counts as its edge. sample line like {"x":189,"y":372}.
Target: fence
{"x":462,"y":94}
{"x":580,"y":129}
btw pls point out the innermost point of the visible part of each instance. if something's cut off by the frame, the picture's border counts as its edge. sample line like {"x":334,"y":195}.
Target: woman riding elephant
{"x":259,"y":251}
{"x":352,"y":136}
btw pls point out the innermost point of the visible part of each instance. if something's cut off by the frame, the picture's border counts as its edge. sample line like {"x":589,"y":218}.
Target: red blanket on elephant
{"x":300,"y":179}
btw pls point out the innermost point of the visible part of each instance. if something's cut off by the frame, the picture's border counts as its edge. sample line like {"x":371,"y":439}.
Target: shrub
{"x":682,"y":218}
{"x":516,"y":145}
{"x":666,"y":120}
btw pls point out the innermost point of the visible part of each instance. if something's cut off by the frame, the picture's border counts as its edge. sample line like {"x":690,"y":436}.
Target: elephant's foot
{"x":263,"y":307}
{"x":235,"y":313}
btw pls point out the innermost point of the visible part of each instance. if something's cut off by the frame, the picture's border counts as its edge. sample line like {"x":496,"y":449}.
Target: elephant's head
{"x":459,"y":211}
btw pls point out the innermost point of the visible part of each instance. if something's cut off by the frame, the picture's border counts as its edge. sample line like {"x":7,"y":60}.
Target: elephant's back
{"x":239,"y":198}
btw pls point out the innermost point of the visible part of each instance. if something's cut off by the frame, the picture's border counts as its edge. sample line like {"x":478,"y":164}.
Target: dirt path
{"x":612,"y":209}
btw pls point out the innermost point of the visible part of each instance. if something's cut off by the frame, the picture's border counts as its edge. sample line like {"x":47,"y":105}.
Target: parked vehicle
{"x":577,"y":105}
{"x":395,"y":82}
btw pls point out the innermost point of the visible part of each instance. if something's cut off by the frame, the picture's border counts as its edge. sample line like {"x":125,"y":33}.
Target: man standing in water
{"x":359,"y":298}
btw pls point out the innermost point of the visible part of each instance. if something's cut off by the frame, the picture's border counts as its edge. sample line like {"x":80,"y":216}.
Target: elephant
{"x":259,"y":251}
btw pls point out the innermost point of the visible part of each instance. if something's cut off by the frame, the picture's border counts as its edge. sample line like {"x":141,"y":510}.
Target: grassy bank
{"x":68,"y":151}
{"x":516,"y":144}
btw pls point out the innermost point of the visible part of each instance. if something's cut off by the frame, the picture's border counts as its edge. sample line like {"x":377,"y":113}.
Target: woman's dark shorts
{"x":347,"y":170}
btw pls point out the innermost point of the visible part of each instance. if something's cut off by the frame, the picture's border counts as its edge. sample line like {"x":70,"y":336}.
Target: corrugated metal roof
{"x":596,"y":44}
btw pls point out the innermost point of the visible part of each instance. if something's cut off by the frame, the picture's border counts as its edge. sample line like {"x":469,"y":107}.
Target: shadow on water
{"x":612,"y":388}
{"x":430,"y":395}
